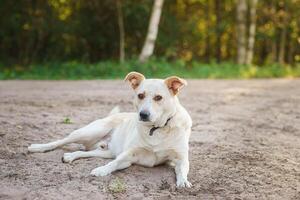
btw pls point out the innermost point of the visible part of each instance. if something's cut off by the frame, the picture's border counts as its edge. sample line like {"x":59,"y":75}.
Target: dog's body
{"x":159,"y":133}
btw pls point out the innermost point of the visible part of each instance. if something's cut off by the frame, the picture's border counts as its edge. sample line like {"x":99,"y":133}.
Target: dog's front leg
{"x":182,"y":170}
{"x":122,"y":161}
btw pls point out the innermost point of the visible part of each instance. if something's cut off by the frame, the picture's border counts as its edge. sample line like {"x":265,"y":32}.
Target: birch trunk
{"x":252,"y":31}
{"x":149,"y":44}
{"x":241,"y":31}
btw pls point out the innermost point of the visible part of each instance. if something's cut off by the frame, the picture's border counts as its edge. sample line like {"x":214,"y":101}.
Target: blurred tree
{"x":149,"y":44}
{"x":283,"y":14}
{"x":252,"y":32}
{"x":218,"y":5}
{"x":241,"y":31}
{"x":34,"y":31}
{"x":208,"y":34}
{"x":121,"y":30}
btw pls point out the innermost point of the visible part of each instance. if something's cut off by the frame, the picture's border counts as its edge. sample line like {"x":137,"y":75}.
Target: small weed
{"x":117,"y":186}
{"x":67,"y":120}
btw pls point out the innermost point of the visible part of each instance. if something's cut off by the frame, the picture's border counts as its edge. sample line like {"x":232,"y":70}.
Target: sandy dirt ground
{"x":245,"y":141}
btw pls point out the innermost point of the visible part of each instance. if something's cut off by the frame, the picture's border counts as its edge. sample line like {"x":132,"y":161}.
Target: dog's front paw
{"x":68,"y":158}
{"x":183,"y":183}
{"x":100,"y":171}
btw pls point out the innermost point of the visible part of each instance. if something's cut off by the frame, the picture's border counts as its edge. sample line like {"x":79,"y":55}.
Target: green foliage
{"x":67,"y":120}
{"x":154,"y":68}
{"x":87,"y":30}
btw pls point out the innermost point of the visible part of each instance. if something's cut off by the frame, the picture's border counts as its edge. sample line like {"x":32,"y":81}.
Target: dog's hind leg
{"x":69,"y":157}
{"x":88,"y":135}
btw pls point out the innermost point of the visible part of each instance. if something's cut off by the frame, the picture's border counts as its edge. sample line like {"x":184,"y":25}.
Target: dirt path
{"x":245,"y":142}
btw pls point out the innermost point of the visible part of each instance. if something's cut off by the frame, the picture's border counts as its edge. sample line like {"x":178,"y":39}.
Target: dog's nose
{"x":144,"y":115}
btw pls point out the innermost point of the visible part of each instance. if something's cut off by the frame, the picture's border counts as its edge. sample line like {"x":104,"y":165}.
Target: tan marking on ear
{"x":134,"y":79}
{"x":175,"y":83}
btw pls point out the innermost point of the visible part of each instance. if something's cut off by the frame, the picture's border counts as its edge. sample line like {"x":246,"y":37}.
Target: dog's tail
{"x":115,"y":110}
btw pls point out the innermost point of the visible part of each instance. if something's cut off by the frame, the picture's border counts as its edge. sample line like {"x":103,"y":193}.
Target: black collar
{"x":154,"y":128}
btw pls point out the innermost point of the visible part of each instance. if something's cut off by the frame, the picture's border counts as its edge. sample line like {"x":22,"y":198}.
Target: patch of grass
{"x":67,"y":120}
{"x":117,"y":186}
{"x":153,"y":68}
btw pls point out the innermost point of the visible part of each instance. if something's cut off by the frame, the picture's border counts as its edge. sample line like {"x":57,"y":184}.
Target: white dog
{"x":159,"y":132}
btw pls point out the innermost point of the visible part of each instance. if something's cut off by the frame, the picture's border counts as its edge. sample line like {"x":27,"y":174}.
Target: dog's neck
{"x":156,"y":127}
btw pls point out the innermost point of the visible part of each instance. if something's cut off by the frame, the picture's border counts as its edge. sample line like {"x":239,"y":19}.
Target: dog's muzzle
{"x":145,"y":116}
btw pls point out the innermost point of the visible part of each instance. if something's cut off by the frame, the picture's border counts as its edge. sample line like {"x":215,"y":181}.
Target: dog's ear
{"x":134,"y":79}
{"x":174,"y":84}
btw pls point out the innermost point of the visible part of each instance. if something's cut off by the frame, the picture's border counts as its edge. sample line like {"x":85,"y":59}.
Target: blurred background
{"x":86,"y":39}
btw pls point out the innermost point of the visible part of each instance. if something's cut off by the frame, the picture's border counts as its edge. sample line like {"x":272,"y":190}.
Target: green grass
{"x":66,"y":120}
{"x":154,"y":68}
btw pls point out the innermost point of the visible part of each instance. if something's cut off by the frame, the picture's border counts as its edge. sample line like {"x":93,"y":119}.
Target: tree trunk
{"x":274,"y":45}
{"x":121,"y":31}
{"x":283,"y":32}
{"x":148,"y":47}
{"x":218,"y":29}
{"x":241,"y":31}
{"x":252,"y":31}
{"x":274,"y":51}
{"x":291,"y":51}
{"x":281,"y":54}
{"x":207,"y":40}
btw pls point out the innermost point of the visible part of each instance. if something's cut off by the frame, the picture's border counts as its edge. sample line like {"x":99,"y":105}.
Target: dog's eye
{"x":157,"y":98}
{"x":141,"y":96}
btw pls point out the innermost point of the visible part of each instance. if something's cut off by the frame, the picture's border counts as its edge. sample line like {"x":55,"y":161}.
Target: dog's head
{"x":155,"y":99}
